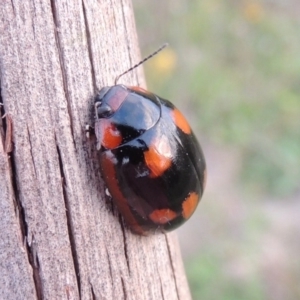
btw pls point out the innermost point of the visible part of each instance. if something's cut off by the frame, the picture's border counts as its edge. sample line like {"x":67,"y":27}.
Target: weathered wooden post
{"x":60,"y":238}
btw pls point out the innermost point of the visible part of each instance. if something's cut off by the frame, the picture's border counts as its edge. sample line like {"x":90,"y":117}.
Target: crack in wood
{"x":89,"y":44}
{"x":1,"y":100}
{"x":34,"y":262}
{"x":32,"y":156}
{"x":172,"y":265}
{"x":93,"y":293}
{"x":33,"y":259}
{"x":19,"y":210}
{"x":124,"y":289}
{"x":109,"y":264}
{"x":30,"y":248}
{"x":125,"y":242}
{"x":62,"y":66}
{"x":161,"y":289}
{"x":2,"y":113}
{"x":6,"y":123}
{"x":157,"y":272}
{"x":13,"y":7}
{"x":69,"y":224}
{"x":33,"y":19}
{"x":7,"y":126}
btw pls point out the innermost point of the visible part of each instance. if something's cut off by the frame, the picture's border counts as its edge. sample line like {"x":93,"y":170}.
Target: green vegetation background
{"x":234,"y":68}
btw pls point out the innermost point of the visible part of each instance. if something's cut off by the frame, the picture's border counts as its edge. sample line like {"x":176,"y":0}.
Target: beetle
{"x":150,"y":159}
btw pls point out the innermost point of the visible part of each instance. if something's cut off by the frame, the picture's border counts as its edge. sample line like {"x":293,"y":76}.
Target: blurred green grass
{"x":236,"y":64}
{"x":224,"y":286}
{"x":228,"y":266}
{"x":234,"y":68}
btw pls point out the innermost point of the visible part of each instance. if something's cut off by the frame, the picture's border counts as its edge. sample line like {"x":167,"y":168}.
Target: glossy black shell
{"x":143,"y":119}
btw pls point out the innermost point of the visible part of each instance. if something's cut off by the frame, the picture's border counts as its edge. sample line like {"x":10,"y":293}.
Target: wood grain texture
{"x":61,"y":239}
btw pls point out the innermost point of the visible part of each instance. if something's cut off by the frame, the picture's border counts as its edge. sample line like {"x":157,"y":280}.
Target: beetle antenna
{"x":141,"y":62}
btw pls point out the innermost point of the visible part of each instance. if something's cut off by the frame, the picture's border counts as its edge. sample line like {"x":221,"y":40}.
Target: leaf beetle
{"x":150,"y":159}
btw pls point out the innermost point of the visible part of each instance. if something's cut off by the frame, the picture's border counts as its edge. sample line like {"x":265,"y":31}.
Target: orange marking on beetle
{"x":138,"y":89}
{"x":180,"y":121}
{"x":189,"y":205}
{"x":108,"y":170}
{"x":158,"y":157}
{"x":111,"y":136}
{"x":162,"y":216}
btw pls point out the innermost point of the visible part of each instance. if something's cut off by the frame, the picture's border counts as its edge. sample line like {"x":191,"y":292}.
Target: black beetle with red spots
{"x":150,"y":159}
